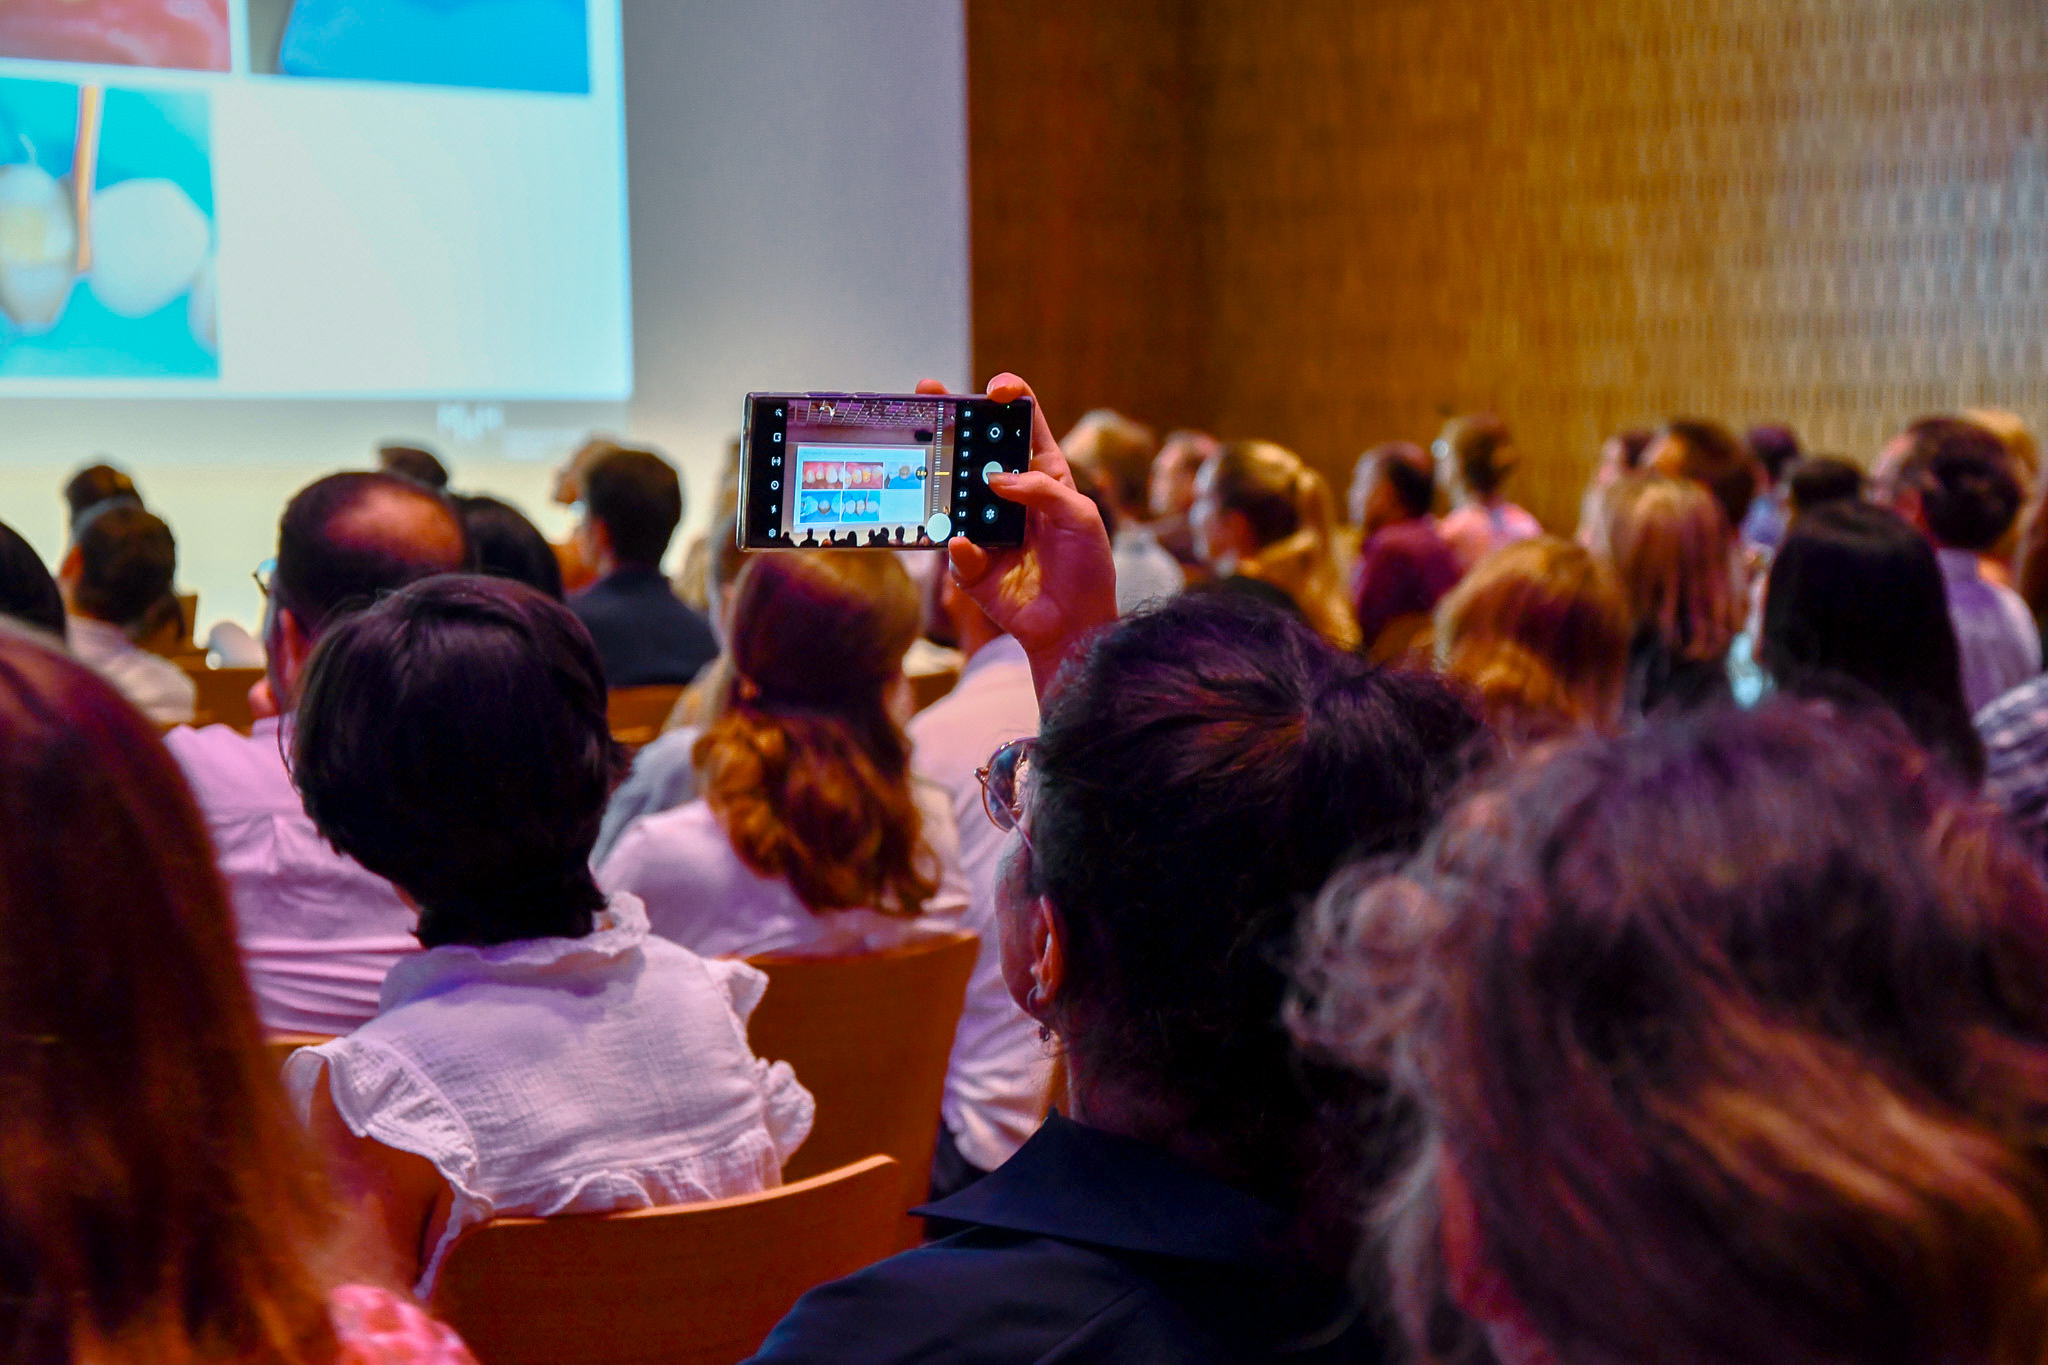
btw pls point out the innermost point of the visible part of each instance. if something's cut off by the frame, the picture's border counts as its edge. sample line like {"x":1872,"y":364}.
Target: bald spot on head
{"x":406,"y":524}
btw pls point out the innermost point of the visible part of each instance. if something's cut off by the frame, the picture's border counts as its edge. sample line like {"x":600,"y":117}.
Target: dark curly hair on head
{"x":453,"y":739}
{"x":1201,"y":770}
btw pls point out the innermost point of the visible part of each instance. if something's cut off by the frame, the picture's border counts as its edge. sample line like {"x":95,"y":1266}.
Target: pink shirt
{"x":378,"y":1327}
{"x":1475,"y":531}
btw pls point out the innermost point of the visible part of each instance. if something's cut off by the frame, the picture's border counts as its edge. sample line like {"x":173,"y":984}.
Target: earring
{"x":1045,"y":1033}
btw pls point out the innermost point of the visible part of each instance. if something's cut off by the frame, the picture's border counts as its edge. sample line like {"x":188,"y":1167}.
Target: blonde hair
{"x":1539,"y":629}
{"x":1668,"y":542}
{"x":1293,"y":516}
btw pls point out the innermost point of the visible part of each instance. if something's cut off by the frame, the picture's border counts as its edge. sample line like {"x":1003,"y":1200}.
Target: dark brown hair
{"x":805,"y":768}
{"x":157,"y":1199}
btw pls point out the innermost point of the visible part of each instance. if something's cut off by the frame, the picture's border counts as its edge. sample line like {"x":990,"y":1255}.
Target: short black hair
{"x":96,"y":484}
{"x":1969,"y":494}
{"x":127,"y":559}
{"x":1409,"y":471}
{"x":1817,"y":480}
{"x":504,"y":544}
{"x":319,"y":573}
{"x":417,"y":463}
{"x":1713,"y":455}
{"x":1775,"y":447}
{"x":638,"y":498}
{"x":453,"y":740}
{"x":27,"y":592}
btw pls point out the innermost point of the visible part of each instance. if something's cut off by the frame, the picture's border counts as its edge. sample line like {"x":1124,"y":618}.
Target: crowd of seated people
{"x":1492,"y":945}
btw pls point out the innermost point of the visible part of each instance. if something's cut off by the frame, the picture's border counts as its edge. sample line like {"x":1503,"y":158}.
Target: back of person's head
{"x":2016,"y":436}
{"x":95,"y":486}
{"x":1817,"y":480}
{"x":1855,"y":611}
{"x":1776,"y":448}
{"x":1968,"y":492}
{"x":1202,"y":768}
{"x":638,"y":498}
{"x":453,"y":740}
{"x":1724,"y":1046}
{"x":350,"y":537}
{"x":158,"y":1201}
{"x":1181,"y":456}
{"x":1668,"y":542}
{"x":1540,"y":630}
{"x":1275,"y":491}
{"x":1480,"y":447}
{"x":417,"y":463}
{"x":1407,"y":470}
{"x":504,"y":544}
{"x":127,"y":560}
{"x":1119,"y":449}
{"x":27,"y":591}
{"x":1708,"y":453}
{"x":806,"y":769}
{"x":1629,"y":446}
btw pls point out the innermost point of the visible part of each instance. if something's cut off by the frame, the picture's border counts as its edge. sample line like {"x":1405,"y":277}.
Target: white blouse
{"x":561,"y":1075}
{"x":699,"y":893}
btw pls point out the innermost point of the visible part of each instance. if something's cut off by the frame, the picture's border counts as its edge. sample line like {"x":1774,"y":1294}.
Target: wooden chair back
{"x":223,"y":695}
{"x":638,"y":713}
{"x":869,"y":1036}
{"x":695,"y":1284}
{"x":283,"y":1045}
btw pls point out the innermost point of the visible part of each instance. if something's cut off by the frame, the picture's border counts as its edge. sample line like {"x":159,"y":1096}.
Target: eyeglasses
{"x":262,"y":575}
{"x":1002,"y":786}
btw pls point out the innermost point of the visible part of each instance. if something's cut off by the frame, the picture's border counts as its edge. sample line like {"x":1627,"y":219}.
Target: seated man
{"x":318,"y":932}
{"x":1404,"y":565}
{"x":644,"y":633}
{"x":117,"y":593}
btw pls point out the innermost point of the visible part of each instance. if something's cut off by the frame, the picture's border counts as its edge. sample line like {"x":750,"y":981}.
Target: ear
{"x":1906,"y":502}
{"x":289,"y":648}
{"x":1048,"y":955}
{"x":71,"y":567}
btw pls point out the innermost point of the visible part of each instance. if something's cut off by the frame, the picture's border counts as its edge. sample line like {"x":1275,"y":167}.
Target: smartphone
{"x":882,"y":471}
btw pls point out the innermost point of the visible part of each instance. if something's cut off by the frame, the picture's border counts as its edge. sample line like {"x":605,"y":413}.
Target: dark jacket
{"x":644,"y":633}
{"x":1084,"y":1247}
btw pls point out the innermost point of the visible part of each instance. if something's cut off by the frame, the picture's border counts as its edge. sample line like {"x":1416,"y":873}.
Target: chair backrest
{"x":223,"y":694}
{"x":283,"y":1045}
{"x":869,"y":1036}
{"x":695,"y":1284}
{"x":638,"y":713}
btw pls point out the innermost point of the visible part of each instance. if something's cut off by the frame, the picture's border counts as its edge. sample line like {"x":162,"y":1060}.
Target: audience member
{"x":318,"y":932}
{"x":997,"y":1080}
{"x":2001,"y":562}
{"x":1854,"y":612}
{"x":1202,"y":766}
{"x":1776,"y":449}
{"x":1172,"y":496}
{"x":1478,"y":452}
{"x":1711,"y":455}
{"x":161,"y":1204}
{"x":1404,"y":566}
{"x":1667,"y":540}
{"x":579,"y":571}
{"x":812,"y":835}
{"x":544,"y":1054}
{"x":97,"y":485}
{"x":416,"y":463}
{"x":504,"y":544}
{"x":1817,"y":480}
{"x":1722,"y":1044}
{"x":1263,"y":522}
{"x":2015,"y":733}
{"x":633,"y":502}
{"x":1540,"y":631}
{"x":28,"y":595}
{"x":1620,"y":455}
{"x":117,"y":580}
{"x":1120,"y":452}
{"x":1956,"y":485}
{"x":692,"y":577}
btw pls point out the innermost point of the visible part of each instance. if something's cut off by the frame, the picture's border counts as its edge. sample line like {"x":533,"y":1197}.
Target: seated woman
{"x":161,"y":1204}
{"x":1263,"y":521}
{"x":1539,"y":630}
{"x":1200,"y":769}
{"x":1667,"y":540}
{"x":545,"y":1054}
{"x":811,"y":836}
{"x":1855,"y":612}
{"x":1726,"y":1044}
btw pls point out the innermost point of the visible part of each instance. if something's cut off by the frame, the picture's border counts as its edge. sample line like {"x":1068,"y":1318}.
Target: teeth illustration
{"x":149,"y":241}
{"x":38,"y":246}
{"x":202,"y":309}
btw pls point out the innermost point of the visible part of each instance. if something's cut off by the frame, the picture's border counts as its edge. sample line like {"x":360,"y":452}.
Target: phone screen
{"x":865,"y":466}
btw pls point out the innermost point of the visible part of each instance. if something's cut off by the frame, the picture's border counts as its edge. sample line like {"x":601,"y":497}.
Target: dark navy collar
{"x":1080,"y":1184}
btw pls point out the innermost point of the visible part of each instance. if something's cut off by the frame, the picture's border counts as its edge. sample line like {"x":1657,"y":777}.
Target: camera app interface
{"x":869,"y":471}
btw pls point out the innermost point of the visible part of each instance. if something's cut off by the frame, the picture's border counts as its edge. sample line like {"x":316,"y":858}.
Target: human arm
{"x":1060,"y":585}
{"x":399,"y":1195}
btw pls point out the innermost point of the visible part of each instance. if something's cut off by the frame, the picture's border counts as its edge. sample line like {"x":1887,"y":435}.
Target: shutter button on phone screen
{"x":990,"y":470}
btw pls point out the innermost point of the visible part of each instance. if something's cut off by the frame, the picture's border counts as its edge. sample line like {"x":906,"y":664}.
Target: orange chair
{"x":223,"y":694}
{"x":869,"y":1036}
{"x":695,"y":1284}
{"x":638,"y":713}
{"x":283,"y":1045}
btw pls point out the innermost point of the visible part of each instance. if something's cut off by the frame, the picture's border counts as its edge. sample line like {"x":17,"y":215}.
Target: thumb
{"x":970,"y":561}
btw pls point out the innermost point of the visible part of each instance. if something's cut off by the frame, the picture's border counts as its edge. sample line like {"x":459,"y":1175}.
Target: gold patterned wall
{"x":1585,"y":215}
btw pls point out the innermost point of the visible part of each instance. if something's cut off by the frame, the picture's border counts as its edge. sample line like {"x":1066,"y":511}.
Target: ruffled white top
{"x":559,"y":1075}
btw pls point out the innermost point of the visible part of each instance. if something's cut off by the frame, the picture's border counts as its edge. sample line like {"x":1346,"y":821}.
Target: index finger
{"x":1046,"y":457}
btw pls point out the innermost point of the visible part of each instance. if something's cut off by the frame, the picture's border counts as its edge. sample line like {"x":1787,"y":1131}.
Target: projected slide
{"x":313,"y":198}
